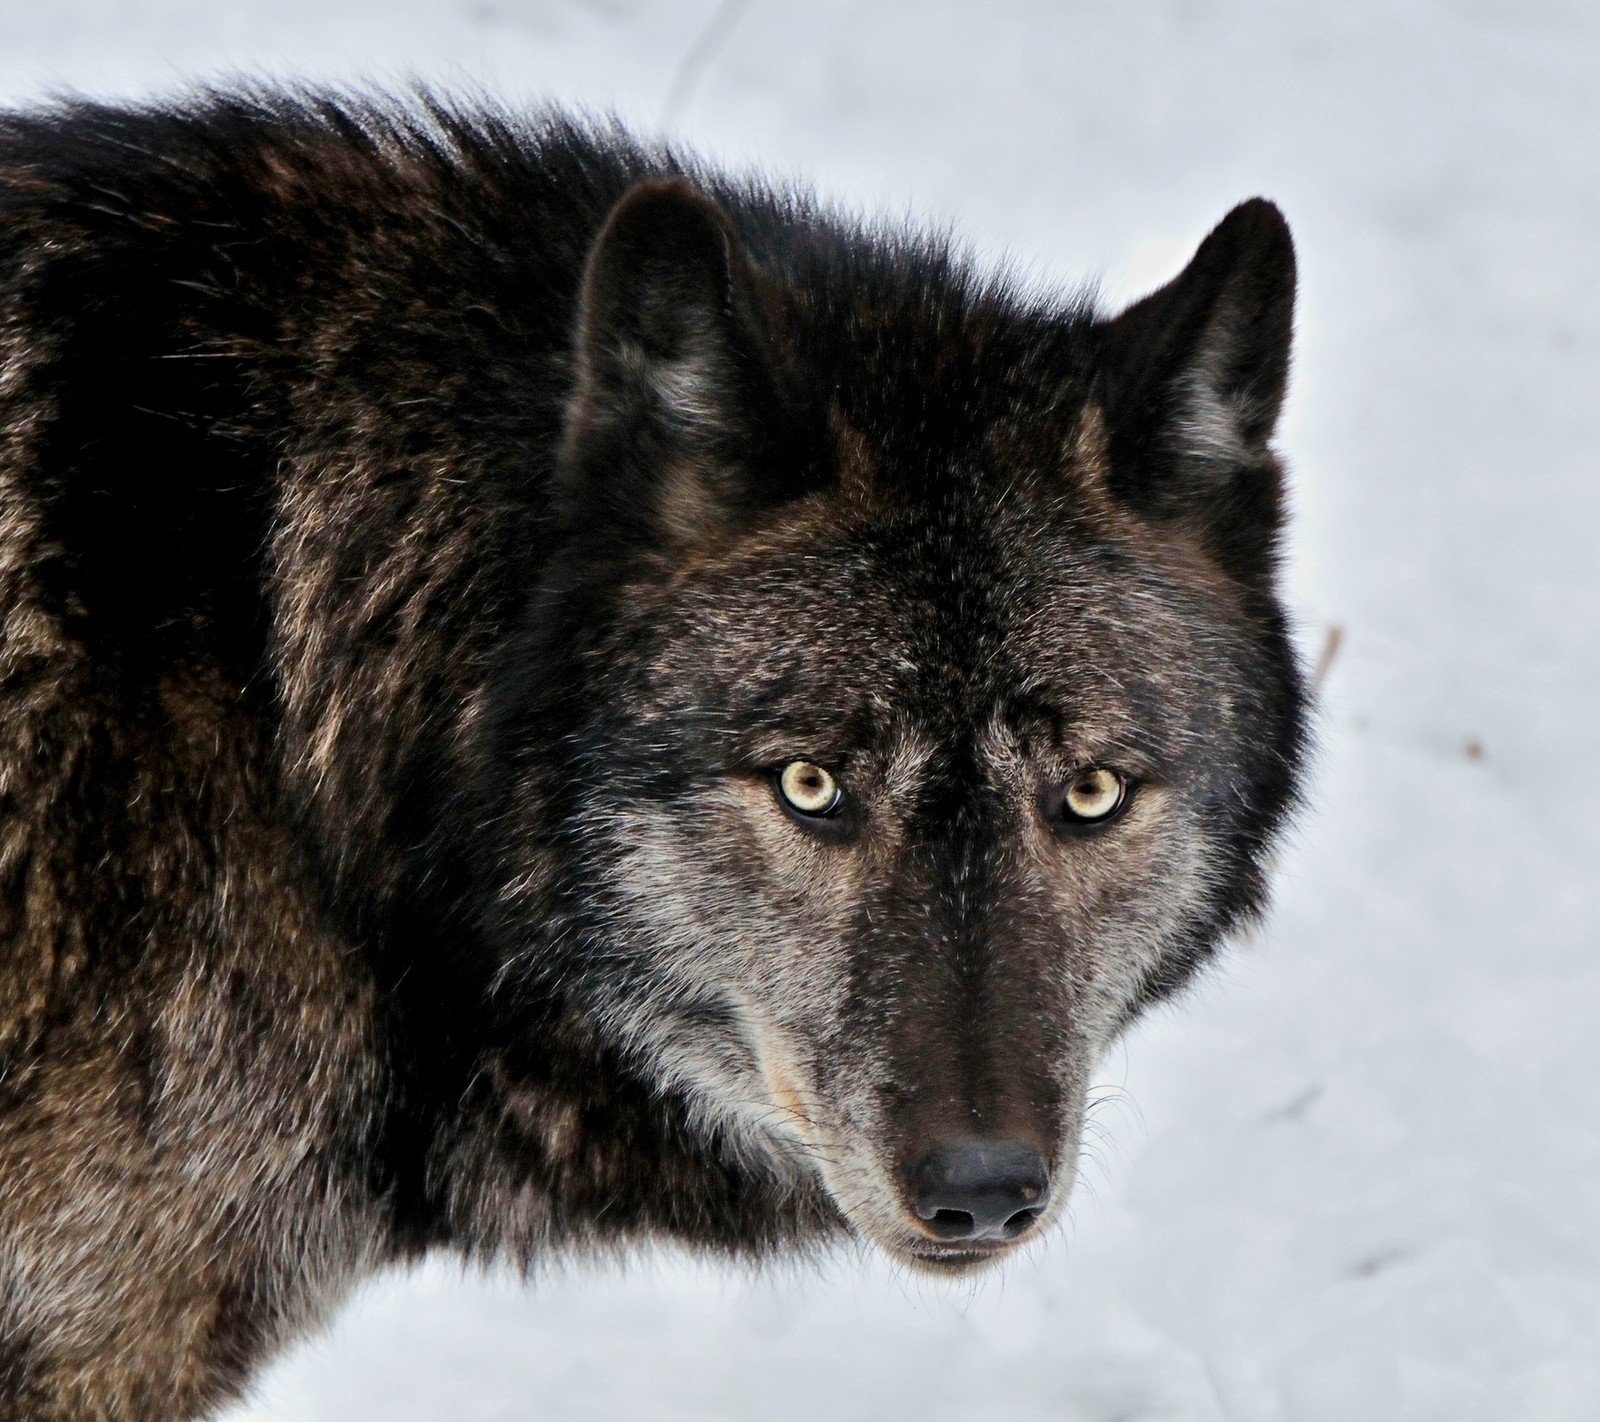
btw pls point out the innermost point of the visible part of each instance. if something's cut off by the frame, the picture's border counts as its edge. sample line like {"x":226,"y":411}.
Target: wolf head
{"x":929,"y":710}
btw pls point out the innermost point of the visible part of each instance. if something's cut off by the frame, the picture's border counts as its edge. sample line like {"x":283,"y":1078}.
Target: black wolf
{"x":551,"y":698}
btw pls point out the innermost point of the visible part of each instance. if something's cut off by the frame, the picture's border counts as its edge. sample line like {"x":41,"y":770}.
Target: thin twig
{"x":698,"y":57}
{"x":1330,"y":650}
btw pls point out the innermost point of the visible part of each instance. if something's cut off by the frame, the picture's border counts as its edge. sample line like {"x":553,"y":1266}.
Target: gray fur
{"x":424,"y":538}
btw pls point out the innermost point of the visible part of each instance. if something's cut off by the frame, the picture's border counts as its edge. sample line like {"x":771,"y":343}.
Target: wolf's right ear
{"x":1192,"y":379}
{"x":675,"y":423}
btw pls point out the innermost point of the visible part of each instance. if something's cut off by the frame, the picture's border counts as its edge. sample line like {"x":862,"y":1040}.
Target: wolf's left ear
{"x":675,"y":422}
{"x":1193,"y":376}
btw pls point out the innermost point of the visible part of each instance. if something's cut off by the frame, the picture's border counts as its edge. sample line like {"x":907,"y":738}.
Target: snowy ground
{"x":1357,"y":1176}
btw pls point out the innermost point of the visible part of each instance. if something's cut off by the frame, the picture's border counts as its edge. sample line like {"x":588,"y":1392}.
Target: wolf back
{"x":553,"y":698}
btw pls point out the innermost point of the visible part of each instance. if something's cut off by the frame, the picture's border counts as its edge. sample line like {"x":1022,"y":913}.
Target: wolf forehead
{"x":839,"y":627}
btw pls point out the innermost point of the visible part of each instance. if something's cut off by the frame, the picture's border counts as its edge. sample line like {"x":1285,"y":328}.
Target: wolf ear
{"x":1193,"y":378}
{"x":675,"y":400}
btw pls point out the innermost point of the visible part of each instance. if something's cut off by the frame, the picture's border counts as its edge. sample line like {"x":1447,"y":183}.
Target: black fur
{"x":396,"y":504}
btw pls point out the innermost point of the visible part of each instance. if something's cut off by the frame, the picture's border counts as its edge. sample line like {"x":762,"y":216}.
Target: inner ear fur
{"x":1192,"y":379}
{"x":676,"y":423}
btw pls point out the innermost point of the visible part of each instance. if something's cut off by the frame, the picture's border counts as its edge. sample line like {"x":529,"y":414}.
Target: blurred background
{"x":1357,"y":1173}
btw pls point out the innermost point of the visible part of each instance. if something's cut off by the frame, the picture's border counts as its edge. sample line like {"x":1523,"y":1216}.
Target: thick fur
{"x":422,"y":536}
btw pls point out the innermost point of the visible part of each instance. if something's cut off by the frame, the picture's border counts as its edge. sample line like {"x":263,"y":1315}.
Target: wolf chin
{"x":551,"y":699}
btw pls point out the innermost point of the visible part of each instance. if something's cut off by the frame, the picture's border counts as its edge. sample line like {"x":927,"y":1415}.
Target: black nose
{"x":980,"y":1189}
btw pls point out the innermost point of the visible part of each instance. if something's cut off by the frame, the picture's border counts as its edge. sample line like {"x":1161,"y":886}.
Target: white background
{"x":1355,"y":1176}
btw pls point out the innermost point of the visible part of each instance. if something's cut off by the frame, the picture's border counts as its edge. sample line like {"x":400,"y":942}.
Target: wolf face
{"x":927,"y":710}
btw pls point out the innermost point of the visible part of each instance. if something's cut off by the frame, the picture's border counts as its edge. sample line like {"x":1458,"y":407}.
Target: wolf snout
{"x":979,"y":1189}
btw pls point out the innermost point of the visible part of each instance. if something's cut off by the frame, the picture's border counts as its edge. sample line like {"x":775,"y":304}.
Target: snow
{"x":1357,"y":1174}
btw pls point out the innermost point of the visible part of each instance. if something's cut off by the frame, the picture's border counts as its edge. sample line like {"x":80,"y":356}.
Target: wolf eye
{"x":1094,"y":794}
{"x":809,"y":790}
{"x":1094,"y":797}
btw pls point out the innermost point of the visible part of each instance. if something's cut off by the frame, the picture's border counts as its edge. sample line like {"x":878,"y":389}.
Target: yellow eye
{"x":1093,"y":795}
{"x":808,"y":789}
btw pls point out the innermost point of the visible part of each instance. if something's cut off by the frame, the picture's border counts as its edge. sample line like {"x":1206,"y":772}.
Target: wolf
{"x":553,"y":698}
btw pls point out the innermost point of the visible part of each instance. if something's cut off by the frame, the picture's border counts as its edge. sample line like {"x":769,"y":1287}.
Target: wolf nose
{"x":979,"y":1189}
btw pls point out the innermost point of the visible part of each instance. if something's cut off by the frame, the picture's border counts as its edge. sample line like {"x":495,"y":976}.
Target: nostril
{"x":979,"y":1188}
{"x":1020,"y":1223}
{"x":952,"y":1224}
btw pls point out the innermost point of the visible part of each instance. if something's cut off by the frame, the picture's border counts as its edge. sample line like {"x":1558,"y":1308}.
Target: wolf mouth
{"x":932,"y":1259}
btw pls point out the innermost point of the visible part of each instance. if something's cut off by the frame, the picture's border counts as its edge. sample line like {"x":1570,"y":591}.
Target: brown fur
{"x":423,"y":542}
